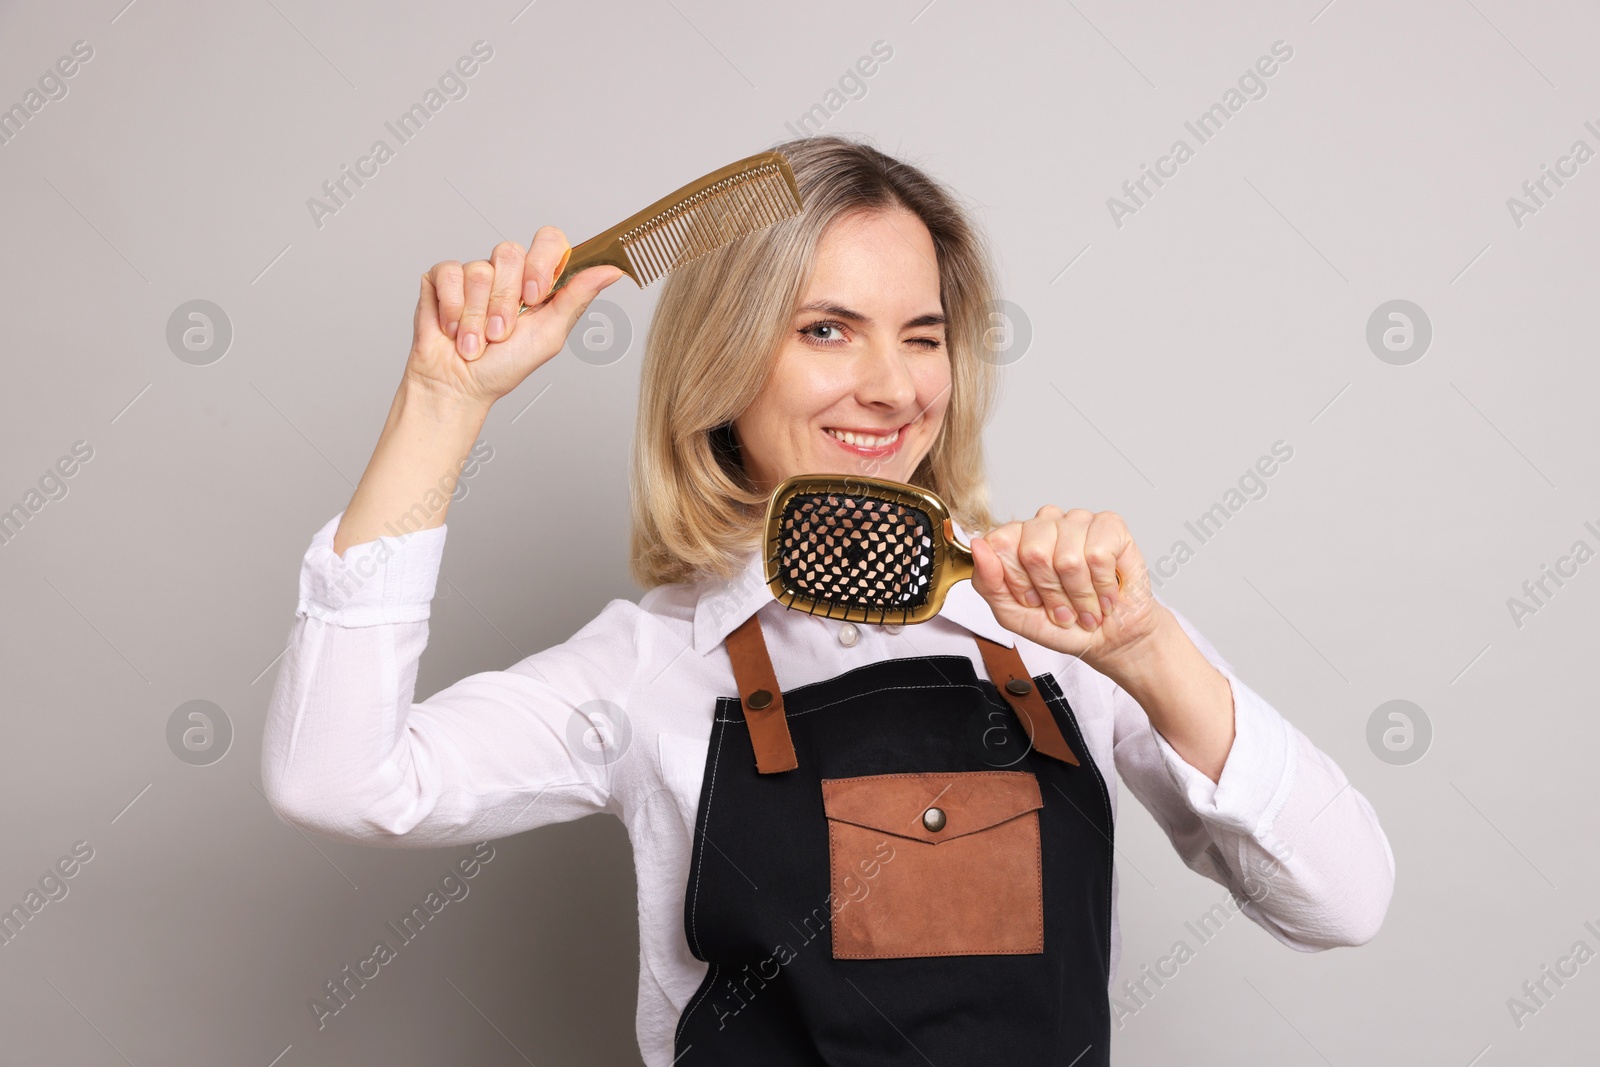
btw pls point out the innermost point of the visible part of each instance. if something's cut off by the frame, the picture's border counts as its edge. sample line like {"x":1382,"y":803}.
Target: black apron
{"x":903,"y":864}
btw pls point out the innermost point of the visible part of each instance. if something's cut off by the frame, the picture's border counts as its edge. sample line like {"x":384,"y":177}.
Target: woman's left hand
{"x":1053,"y":580}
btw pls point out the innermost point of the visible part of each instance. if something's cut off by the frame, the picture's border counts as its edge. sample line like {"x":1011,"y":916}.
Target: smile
{"x":866,"y":444}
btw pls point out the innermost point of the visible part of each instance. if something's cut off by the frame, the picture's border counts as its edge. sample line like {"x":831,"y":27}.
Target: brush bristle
{"x":708,"y":219}
{"x":838,"y":551}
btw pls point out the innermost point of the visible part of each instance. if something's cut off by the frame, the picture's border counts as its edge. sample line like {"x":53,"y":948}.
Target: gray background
{"x":1166,"y":356}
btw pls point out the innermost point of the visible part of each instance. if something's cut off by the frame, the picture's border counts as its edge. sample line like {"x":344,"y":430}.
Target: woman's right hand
{"x":470,"y":345}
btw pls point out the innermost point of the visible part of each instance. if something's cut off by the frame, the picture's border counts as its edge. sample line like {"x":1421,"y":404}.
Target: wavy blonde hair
{"x":716,"y":334}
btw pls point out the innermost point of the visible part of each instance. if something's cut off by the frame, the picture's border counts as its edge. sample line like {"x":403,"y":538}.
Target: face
{"x":862,"y":380}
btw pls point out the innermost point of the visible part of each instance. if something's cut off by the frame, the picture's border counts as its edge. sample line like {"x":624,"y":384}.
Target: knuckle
{"x":1069,"y":562}
{"x":479,"y":272}
{"x":1033,"y":555}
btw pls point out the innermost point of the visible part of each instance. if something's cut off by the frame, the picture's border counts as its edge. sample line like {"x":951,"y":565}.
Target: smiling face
{"x":862,"y":381}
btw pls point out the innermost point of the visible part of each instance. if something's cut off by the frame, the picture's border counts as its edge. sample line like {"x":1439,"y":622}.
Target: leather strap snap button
{"x":933,"y":819}
{"x":1019,"y":686}
{"x":759,"y":699}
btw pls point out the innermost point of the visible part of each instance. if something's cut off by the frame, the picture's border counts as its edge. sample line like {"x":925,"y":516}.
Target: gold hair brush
{"x":862,"y":549}
{"x":704,"y":215}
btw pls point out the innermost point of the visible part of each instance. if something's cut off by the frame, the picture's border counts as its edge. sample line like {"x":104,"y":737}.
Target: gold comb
{"x":862,"y":549}
{"x":704,"y":215}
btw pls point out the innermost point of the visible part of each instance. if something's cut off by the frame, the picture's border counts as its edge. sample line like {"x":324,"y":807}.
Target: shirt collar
{"x":723,"y":604}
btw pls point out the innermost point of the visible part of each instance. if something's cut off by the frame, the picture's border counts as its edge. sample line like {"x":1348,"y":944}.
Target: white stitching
{"x":856,"y":696}
{"x":694,"y":905}
{"x":1105,"y":797}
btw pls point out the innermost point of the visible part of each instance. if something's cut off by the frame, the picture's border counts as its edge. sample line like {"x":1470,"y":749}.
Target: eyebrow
{"x":935,"y":319}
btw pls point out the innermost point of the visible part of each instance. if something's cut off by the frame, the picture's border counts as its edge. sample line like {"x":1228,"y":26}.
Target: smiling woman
{"x":843,"y":341}
{"x":767,"y":761}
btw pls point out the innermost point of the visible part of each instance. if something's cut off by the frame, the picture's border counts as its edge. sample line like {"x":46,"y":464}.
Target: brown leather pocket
{"x":905,"y":883}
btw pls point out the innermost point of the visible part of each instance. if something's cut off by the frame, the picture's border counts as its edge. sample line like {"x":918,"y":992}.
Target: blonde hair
{"x":716,"y":333}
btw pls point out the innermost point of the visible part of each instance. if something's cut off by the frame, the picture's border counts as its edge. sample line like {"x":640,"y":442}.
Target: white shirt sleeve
{"x":1283,"y":829}
{"x":347,"y":752}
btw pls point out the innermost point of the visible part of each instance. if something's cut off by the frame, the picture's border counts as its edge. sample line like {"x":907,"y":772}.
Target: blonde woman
{"x":918,"y":866}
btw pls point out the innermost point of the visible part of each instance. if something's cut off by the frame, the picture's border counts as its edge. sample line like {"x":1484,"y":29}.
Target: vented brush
{"x":862,"y":549}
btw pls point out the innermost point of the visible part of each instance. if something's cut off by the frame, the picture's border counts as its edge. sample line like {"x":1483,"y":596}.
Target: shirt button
{"x":892,"y":627}
{"x":849,"y":634}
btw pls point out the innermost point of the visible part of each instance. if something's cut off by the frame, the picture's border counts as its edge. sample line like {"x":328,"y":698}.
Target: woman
{"x":774,"y":920}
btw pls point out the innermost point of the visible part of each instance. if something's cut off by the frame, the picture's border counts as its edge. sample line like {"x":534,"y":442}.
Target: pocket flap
{"x":895,"y":803}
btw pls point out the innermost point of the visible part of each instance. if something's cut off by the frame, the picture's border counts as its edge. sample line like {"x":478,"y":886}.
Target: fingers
{"x":447,"y":286}
{"x":574,"y":298}
{"x":539,"y":265}
{"x":1064,"y":563}
{"x":1003,"y":541}
{"x":1106,"y":542}
{"x":1051,"y":551}
{"x":425,"y":325}
{"x":479,"y":280}
{"x":508,"y":259}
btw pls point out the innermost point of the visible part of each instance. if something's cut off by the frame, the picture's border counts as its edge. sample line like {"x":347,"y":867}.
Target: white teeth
{"x":863,"y":440}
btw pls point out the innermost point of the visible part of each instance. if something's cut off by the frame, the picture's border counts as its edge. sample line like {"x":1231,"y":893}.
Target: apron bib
{"x":905,"y":863}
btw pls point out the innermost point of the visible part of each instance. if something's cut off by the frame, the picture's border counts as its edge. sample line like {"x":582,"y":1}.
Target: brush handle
{"x":603,"y":250}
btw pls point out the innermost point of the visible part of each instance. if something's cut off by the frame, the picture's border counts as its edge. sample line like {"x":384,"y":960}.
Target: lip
{"x":875,"y":453}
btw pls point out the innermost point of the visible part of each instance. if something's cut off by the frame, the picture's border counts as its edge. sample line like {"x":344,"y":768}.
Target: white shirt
{"x":349,"y":753}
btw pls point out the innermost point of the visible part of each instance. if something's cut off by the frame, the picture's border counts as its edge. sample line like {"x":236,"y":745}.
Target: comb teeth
{"x":705,"y":221}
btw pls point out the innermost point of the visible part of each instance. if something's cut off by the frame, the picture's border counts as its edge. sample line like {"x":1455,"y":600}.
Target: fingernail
{"x":1062,"y":615}
{"x":451,"y":329}
{"x":497,"y":328}
{"x":1031,"y":598}
{"x":469,"y":345}
{"x":1105,"y":604}
{"x":530,"y":292}
{"x":1086,"y":620}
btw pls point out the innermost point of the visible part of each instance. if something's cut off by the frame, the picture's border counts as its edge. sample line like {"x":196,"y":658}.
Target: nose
{"x":884,"y":381}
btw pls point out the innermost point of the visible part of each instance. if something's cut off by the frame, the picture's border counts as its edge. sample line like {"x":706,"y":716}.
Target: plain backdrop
{"x":1161,"y":353}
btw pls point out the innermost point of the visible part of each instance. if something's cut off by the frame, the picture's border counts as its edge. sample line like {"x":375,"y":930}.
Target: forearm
{"x":1185,"y":697}
{"x":413,"y":469}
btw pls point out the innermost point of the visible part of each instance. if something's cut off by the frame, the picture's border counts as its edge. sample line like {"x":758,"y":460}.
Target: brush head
{"x":861,"y":549}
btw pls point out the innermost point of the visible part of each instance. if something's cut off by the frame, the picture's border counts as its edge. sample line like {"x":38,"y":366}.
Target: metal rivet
{"x":933,"y":819}
{"x":1019,"y":687}
{"x":758,"y":700}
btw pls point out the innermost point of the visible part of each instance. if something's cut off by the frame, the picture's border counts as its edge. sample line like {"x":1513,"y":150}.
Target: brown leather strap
{"x":1009,"y":675}
{"x":760,"y":698}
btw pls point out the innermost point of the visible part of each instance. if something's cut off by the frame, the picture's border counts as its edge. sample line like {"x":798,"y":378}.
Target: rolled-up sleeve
{"x":1283,"y":829}
{"x":348,"y":753}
